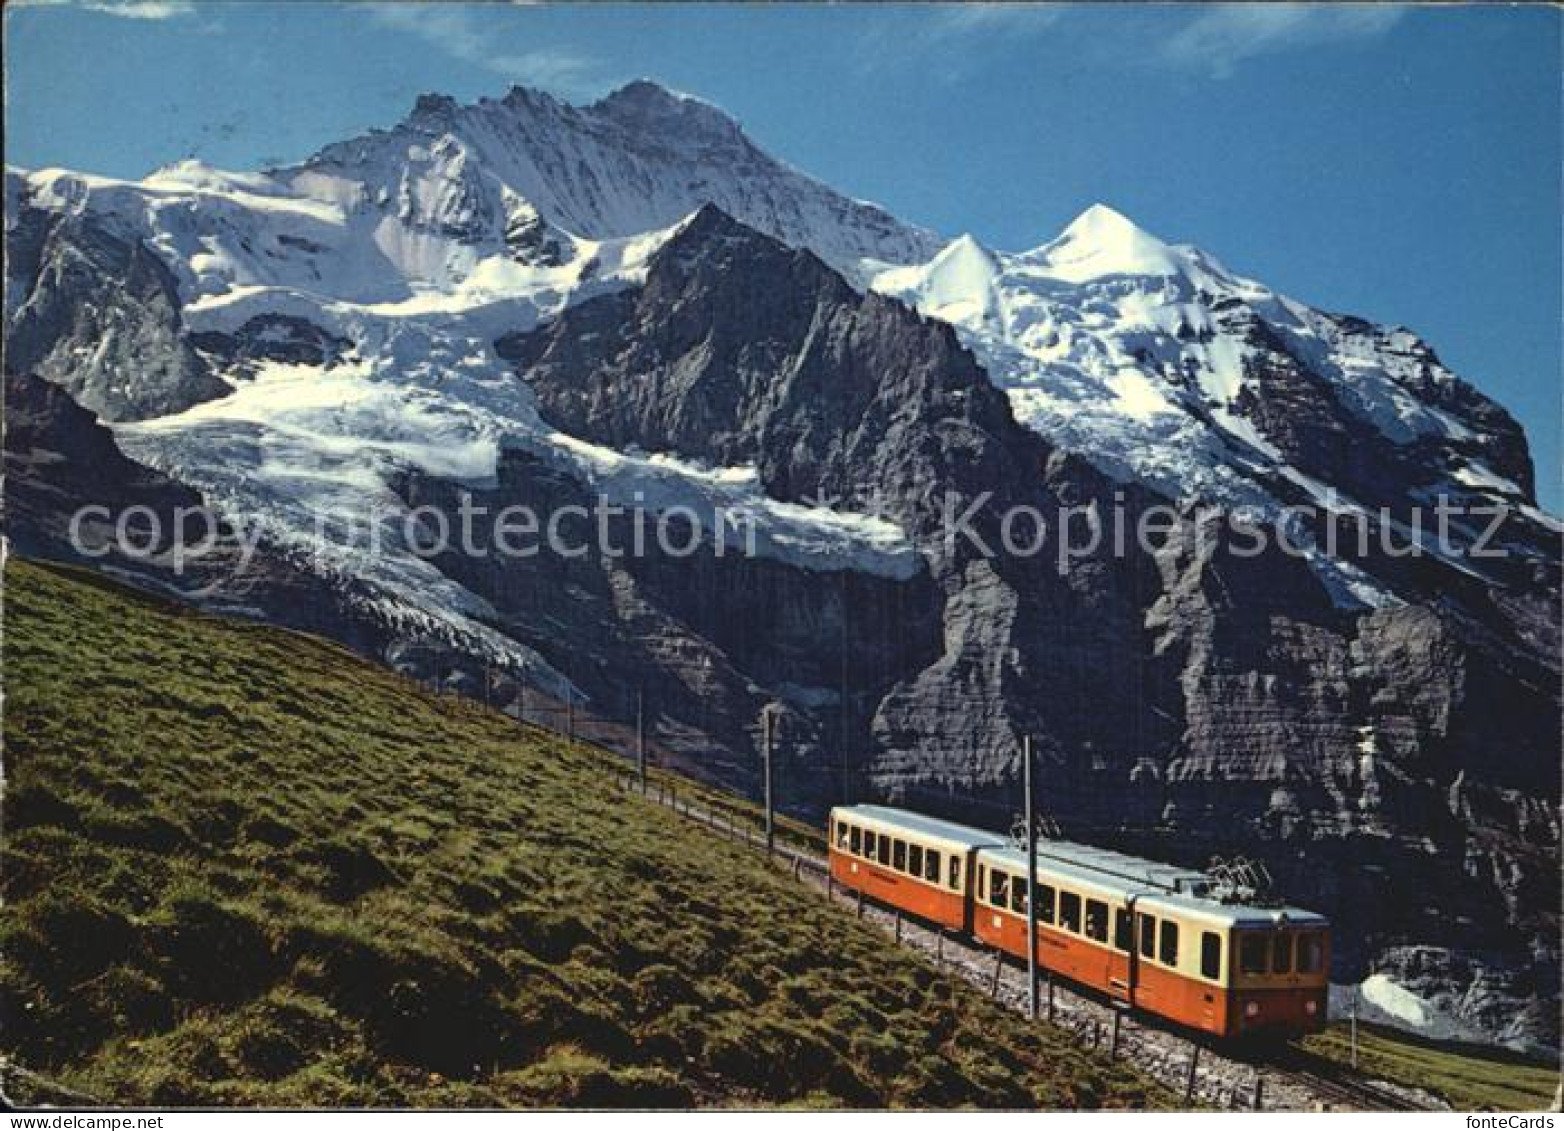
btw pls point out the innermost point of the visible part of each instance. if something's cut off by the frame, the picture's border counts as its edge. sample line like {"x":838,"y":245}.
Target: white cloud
{"x":455,"y":31}
{"x":1223,"y":36}
{"x":979,"y":17}
{"x":125,"y":9}
{"x":946,"y":41}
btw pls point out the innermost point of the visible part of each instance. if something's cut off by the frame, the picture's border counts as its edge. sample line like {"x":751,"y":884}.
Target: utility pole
{"x":1354,"y":1026}
{"x":767,"y":731}
{"x":640,"y":737}
{"x":1031,"y":881}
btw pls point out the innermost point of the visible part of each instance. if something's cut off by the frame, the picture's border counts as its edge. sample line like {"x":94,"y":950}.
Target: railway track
{"x":1340,"y":1085}
{"x":1292,"y":1080}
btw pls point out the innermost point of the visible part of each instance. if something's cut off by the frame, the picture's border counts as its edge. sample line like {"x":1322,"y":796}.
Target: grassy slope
{"x":243,"y":866}
{"x":1469,"y":1077}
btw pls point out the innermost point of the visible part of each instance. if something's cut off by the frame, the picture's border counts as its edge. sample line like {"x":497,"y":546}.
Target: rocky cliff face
{"x":524,"y":302}
{"x":58,"y":460}
{"x":739,"y":350}
{"x":99,"y":316}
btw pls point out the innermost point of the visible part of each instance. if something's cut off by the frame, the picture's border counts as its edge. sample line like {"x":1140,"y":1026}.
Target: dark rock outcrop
{"x":270,"y":337}
{"x":59,"y":461}
{"x":101,"y":317}
{"x":1302,"y":411}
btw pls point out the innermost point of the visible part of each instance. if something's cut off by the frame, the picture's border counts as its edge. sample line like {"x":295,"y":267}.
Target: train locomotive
{"x":1165,"y":940}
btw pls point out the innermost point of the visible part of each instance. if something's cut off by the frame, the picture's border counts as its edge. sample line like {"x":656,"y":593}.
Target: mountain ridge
{"x":397,"y":320}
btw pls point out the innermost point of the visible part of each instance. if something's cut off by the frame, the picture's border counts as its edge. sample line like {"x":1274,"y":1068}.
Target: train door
{"x":1126,"y":933}
{"x":968,"y":887}
{"x":1215,"y":951}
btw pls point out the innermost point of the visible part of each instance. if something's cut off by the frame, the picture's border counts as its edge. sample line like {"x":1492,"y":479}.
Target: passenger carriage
{"x":1148,"y":934}
{"x":921,"y":864}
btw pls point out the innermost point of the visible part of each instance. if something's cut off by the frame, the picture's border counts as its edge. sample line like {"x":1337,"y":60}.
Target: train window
{"x":1281,"y":954}
{"x":931,"y":866}
{"x":1097,"y":920}
{"x":998,"y":888}
{"x":1018,"y":894}
{"x":1070,"y":911}
{"x":1167,"y":953}
{"x":855,"y":846}
{"x":884,"y":856}
{"x":1148,"y":936}
{"x":1211,"y":955}
{"x":841,"y":834}
{"x":1045,"y":903}
{"x":915,"y":859}
{"x":868,"y":844}
{"x":982,"y":881}
{"x":955,"y":873}
{"x":1311,"y":953}
{"x":1123,"y":931}
{"x":1251,"y":954}
{"x":899,"y":855}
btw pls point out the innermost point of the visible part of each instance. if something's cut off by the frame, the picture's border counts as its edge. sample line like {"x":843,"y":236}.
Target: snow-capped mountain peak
{"x":1163,"y":367}
{"x":1102,"y":242}
{"x":647,"y":105}
{"x":637,"y":160}
{"x":957,"y":285}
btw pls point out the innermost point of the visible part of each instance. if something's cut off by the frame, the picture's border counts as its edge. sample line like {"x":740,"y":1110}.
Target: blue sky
{"x":1401,"y":164}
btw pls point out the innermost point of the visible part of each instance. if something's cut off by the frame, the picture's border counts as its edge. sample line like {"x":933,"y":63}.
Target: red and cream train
{"x":1148,"y":934}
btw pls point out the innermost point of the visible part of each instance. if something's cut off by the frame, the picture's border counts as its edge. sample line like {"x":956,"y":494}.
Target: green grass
{"x":242,"y":866}
{"x":790,"y":832}
{"x":1468,"y":1077}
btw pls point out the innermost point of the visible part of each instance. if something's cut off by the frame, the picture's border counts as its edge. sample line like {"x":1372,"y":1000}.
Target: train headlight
{"x":1251,"y":1009}
{"x":1311,"y":1007}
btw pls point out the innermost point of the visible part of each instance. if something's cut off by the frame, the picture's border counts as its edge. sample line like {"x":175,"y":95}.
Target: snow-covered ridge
{"x":1140,"y":355}
{"x":639,"y":159}
{"x":308,"y":457}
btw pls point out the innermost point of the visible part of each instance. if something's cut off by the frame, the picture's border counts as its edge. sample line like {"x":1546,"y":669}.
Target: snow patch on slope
{"x":732,"y":507}
{"x":1397,"y":1001}
{"x":307,"y":455}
